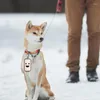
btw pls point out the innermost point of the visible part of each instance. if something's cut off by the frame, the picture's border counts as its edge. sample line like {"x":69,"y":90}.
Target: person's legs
{"x":74,"y":13}
{"x":93,"y":22}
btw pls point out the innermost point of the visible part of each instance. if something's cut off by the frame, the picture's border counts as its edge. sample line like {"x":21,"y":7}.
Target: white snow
{"x":12,"y":85}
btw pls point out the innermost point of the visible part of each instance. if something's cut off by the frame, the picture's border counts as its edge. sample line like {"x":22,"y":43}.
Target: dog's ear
{"x":29,"y":25}
{"x":43,"y":25}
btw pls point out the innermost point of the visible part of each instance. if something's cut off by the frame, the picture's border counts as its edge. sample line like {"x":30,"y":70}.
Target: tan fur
{"x":35,"y":28}
{"x":25,"y":43}
{"x":45,"y":84}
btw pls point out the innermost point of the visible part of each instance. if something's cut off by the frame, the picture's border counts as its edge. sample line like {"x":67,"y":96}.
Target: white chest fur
{"x":33,"y":47}
{"x":36,"y":67}
{"x":37,"y":64}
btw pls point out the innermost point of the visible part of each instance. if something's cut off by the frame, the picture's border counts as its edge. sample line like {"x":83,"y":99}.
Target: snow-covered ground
{"x":12,"y":85}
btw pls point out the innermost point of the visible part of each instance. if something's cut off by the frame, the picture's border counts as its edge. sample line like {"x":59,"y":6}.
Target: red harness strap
{"x":35,"y":52}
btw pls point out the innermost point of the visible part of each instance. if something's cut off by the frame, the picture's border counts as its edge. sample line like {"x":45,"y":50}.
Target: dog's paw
{"x":26,"y":98}
{"x":43,"y":98}
{"x":52,"y":98}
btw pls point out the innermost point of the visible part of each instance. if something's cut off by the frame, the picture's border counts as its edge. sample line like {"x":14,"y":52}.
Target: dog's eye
{"x":34,"y":33}
{"x":41,"y":33}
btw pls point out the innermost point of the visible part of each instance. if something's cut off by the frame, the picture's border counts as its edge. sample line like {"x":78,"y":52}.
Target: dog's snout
{"x":41,"y":39}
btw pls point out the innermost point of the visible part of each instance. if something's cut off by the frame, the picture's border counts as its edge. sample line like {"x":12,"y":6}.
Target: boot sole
{"x":93,"y":80}
{"x":73,"y":81}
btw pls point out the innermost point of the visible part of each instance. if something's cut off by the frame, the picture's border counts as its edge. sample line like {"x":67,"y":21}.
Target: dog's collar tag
{"x":27,"y":64}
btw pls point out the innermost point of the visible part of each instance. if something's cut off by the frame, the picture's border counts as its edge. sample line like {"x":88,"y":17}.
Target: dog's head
{"x":35,"y":34}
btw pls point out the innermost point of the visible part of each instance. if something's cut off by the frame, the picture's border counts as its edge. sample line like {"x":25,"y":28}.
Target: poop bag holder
{"x":59,"y":6}
{"x":27,"y":65}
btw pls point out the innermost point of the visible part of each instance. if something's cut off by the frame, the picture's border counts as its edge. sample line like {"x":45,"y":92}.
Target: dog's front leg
{"x":29,"y":86}
{"x":31,"y":94}
{"x":37,"y":89}
{"x":38,"y":86}
{"x":36,"y":94}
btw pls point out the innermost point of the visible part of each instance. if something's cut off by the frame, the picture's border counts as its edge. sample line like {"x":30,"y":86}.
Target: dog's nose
{"x":41,"y":39}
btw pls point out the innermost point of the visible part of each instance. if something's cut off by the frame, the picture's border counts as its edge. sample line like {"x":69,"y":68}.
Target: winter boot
{"x":73,"y":77}
{"x":92,"y":75}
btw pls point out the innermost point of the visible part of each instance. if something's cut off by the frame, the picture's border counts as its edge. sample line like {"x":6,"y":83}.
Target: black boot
{"x":92,"y":75}
{"x":73,"y":77}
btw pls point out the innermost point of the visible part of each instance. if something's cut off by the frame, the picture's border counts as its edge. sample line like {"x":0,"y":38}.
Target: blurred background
{"x":33,"y":6}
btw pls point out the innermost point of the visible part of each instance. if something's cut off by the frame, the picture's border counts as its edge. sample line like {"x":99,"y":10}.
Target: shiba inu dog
{"x":33,"y":64}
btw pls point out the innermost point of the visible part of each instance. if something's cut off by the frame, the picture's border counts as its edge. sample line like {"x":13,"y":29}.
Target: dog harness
{"x":33,"y":54}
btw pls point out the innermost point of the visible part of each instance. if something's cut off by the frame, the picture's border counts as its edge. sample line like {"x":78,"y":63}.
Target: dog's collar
{"x":33,"y":54}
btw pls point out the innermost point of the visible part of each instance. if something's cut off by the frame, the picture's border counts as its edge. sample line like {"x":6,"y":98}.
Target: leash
{"x":58,"y":10}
